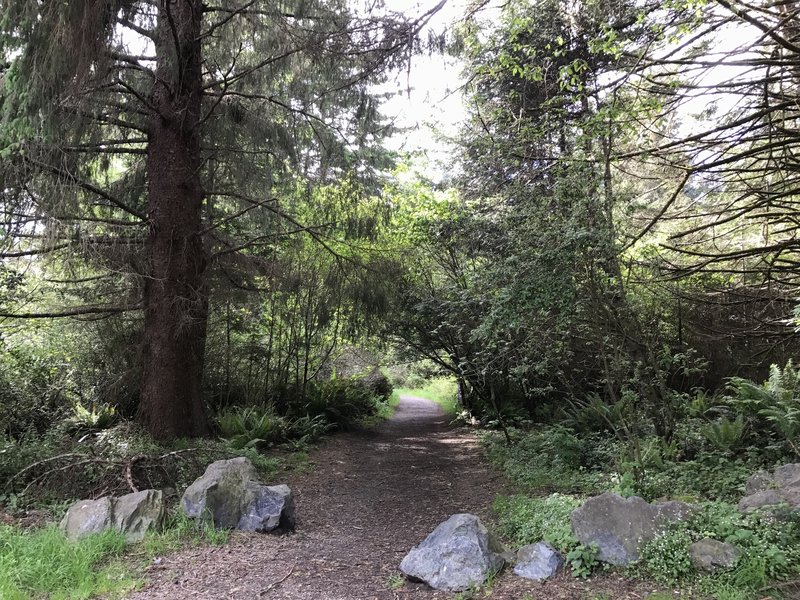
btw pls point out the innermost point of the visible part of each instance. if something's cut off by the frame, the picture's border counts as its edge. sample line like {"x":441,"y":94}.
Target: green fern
{"x":773,"y":406}
{"x":249,"y":427}
{"x":595,"y":414}
{"x":97,"y":417}
{"x":724,"y":433}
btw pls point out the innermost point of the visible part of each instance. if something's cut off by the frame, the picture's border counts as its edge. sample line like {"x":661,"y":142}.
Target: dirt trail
{"x":371,"y":497}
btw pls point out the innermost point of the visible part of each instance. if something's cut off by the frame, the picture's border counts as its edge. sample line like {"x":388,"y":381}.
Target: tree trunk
{"x":175,"y":294}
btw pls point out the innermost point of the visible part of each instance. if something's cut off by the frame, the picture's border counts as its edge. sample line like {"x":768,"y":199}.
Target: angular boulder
{"x":538,"y":561}
{"x":86,"y":517}
{"x":765,"y":490}
{"x":219,"y":494}
{"x":140,"y":512}
{"x":758,"y":500}
{"x":787,"y":480}
{"x":622,"y":526}
{"x":131,"y":515}
{"x":459,"y":553}
{"x":267,"y":508}
{"x":710,"y":555}
{"x":229,"y":494}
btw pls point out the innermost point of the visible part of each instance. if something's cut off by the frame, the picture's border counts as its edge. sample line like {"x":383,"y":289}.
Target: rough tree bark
{"x":175,"y":292}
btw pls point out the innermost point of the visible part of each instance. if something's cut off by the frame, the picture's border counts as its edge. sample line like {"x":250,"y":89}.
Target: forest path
{"x":371,"y":497}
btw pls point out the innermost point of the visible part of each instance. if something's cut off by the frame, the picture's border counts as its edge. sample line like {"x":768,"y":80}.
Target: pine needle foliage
{"x":256,"y":107}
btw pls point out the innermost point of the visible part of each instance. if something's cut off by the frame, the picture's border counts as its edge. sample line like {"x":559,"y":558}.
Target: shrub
{"x":595,"y":414}
{"x":772,"y":410}
{"x":305,"y":430}
{"x":710,"y":476}
{"x":666,"y":558}
{"x":769,"y":542}
{"x":772,"y":536}
{"x":343,"y":402}
{"x":551,"y":458}
{"x":250,"y":426}
{"x":725,"y":434}
{"x":583,"y":559}
{"x":690,"y":438}
{"x":377,"y":383}
{"x":414,"y":382}
{"x":97,"y":417}
{"x":31,"y":388}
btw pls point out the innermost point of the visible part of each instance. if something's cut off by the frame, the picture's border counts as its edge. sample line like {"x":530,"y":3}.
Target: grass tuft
{"x":44,"y":564}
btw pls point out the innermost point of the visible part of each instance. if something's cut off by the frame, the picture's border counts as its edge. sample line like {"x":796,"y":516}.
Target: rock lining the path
{"x":458,"y":554}
{"x":710,"y":555}
{"x":765,"y":490}
{"x":621,"y":527}
{"x":267,"y":508}
{"x":538,"y":561}
{"x":230,"y":494}
{"x":131,"y":515}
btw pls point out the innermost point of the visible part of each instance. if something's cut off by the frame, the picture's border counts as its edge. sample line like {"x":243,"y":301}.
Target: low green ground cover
{"x":715,"y":445}
{"x":556,"y":468}
{"x":43,"y":564}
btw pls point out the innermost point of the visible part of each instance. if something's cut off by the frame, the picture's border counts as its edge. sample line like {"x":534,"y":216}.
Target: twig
{"x":58,"y":470}
{"x":281,"y":580}
{"x":84,"y":459}
{"x":144,"y":457}
{"x":43,"y":462}
{"x":129,"y":476}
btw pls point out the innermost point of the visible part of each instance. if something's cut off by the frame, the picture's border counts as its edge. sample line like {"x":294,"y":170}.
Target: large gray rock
{"x":538,"y":561}
{"x":229,"y":494}
{"x":710,"y":555}
{"x":765,"y":490}
{"x":140,"y":512}
{"x":267,"y":508}
{"x":132,"y":515}
{"x":86,"y":517}
{"x":787,"y":480}
{"x":758,"y":482}
{"x":459,"y":553}
{"x":758,"y":500}
{"x":622,"y":526}
{"x":219,"y":494}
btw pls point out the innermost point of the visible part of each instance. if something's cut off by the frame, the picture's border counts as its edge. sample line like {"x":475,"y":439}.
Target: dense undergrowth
{"x":718,"y":443}
{"x":91,"y":452}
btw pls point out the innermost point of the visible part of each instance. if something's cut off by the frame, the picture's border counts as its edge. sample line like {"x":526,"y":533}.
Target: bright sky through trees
{"x":428,"y":102}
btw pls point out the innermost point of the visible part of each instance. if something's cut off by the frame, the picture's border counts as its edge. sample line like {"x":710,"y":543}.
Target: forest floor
{"x":371,"y":497}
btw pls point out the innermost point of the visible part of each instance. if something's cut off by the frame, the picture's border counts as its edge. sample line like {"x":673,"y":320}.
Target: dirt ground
{"x":371,"y":497}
